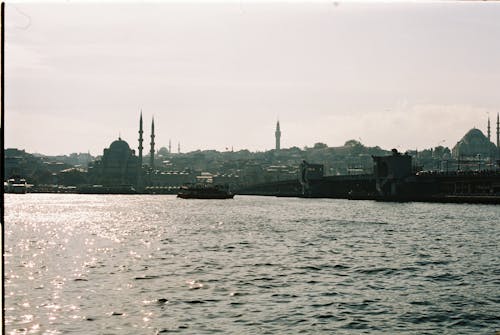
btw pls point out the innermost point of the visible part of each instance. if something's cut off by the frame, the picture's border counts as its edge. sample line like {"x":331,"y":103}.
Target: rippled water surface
{"x":98,"y":264}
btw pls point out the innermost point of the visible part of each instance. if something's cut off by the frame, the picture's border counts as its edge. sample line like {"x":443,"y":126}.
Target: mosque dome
{"x":119,"y":145}
{"x":474,"y":143}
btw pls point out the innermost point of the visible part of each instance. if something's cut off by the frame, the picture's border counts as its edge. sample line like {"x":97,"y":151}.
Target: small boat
{"x":204,"y":191}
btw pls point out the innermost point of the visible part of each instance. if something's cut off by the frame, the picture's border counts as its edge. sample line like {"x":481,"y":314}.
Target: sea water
{"x":154,"y":264}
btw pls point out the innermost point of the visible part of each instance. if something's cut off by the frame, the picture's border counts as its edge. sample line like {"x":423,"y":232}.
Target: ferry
{"x":204,"y":191}
{"x":16,"y":185}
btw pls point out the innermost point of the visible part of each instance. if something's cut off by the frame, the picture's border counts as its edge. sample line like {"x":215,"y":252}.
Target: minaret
{"x":498,"y":132}
{"x":489,"y":131}
{"x":140,"y":141}
{"x":139,"y":184}
{"x":277,"y":134}
{"x":170,"y":146}
{"x":152,"y":151}
{"x":179,"y":147}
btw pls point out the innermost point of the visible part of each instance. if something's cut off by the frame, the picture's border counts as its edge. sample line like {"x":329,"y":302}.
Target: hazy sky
{"x":216,"y":75}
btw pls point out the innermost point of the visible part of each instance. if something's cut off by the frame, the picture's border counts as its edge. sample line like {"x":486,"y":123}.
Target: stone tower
{"x":152,"y":151}
{"x":140,"y":140}
{"x":277,"y":134}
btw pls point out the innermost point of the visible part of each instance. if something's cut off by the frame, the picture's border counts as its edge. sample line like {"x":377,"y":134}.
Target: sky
{"x":219,"y":75}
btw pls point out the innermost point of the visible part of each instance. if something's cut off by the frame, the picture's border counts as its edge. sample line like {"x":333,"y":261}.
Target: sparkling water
{"x":154,"y":264}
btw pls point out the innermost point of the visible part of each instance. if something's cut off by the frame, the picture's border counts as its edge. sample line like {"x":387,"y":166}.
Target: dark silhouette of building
{"x":475,"y":145}
{"x":390,"y":171}
{"x":277,"y":135}
{"x":152,"y":151}
{"x":118,"y":166}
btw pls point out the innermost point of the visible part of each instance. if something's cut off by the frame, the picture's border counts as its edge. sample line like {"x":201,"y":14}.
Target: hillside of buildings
{"x":237,"y":168}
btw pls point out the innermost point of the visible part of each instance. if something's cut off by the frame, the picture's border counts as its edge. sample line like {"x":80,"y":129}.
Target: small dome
{"x":119,"y":145}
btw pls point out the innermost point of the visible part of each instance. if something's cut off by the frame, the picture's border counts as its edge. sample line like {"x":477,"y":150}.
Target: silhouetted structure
{"x":118,"y":166}
{"x":393,"y":180}
{"x":152,"y":151}
{"x":473,"y":145}
{"x":390,"y":171}
{"x":498,"y":136}
{"x":277,"y":135}
{"x":140,"y":181}
{"x":489,"y":131}
{"x":140,"y":140}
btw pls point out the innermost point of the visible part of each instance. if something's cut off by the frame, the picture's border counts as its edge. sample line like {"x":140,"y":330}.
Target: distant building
{"x":474,"y":144}
{"x":56,"y":167}
{"x":118,"y":166}
{"x":310,"y":171}
{"x":14,"y":161}
{"x":170,"y":178}
{"x":390,"y":171}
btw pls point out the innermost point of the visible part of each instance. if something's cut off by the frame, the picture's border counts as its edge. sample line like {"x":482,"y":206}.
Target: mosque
{"x":475,"y":145}
{"x":119,"y":165}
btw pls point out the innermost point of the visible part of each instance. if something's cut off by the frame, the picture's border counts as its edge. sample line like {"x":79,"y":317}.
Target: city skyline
{"x":400,"y":75}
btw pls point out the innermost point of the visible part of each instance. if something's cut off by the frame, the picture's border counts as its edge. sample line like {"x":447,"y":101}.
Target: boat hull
{"x":205,"y":196}
{"x":201,"y":191}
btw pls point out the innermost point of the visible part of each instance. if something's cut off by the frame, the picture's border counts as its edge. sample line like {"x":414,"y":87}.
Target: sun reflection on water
{"x":110,"y":264}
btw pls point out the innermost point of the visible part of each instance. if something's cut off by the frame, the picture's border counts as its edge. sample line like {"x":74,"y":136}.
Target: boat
{"x":204,"y":191}
{"x":16,"y":185}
